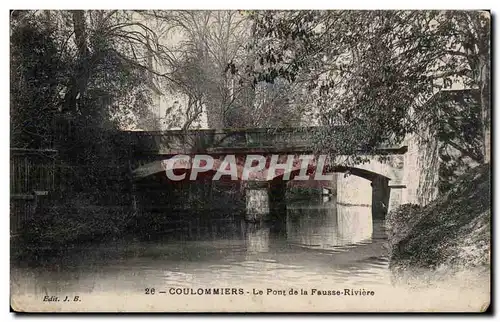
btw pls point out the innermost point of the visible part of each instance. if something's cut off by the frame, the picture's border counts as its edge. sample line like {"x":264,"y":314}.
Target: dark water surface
{"x":315,"y":243}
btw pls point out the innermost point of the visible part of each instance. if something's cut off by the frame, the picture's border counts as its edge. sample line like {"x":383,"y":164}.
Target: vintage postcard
{"x":250,"y":161}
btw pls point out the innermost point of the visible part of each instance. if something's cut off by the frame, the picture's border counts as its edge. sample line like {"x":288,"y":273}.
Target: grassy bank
{"x":452,"y":232}
{"x":66,"y":225}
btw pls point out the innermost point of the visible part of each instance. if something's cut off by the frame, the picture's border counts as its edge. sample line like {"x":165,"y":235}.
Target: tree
{"x":107,"y":61}
{"x":36,"y":73}
{"x":77,"y":75}
{"x":148,"y":121}
{"x":213,"y":67}
{"x":372,"y":71}
{"x":208,"y":42}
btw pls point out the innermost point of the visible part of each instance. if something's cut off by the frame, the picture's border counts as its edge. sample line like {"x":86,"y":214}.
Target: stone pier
{"x":380,"y":197}
{"x":257,"y":200}
{"x":396,"y":196}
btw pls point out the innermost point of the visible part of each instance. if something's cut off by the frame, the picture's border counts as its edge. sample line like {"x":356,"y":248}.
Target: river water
{"x":321,"y":245}
{"x":315,"y":243}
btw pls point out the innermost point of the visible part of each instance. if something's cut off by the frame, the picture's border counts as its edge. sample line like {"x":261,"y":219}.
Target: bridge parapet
{"x":197,"y":141}
{"x":280,"y":140}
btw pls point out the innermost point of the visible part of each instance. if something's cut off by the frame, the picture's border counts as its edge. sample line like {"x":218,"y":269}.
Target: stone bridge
{"x":378,"y":182}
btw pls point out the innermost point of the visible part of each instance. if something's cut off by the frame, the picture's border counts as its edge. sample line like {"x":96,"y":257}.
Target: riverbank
{"x":452,"y":233}
{"x":80,"y":223}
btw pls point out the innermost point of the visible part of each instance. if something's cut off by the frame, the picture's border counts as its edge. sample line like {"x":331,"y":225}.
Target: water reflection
{"x":354,"y":224}
{"x":328,"y":225}
{"x":313,"y":226}
{"x":257,"y":238}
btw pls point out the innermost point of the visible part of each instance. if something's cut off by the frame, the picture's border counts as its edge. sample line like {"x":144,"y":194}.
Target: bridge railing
{"x":204,"y":140}
{"x":213,"y":141}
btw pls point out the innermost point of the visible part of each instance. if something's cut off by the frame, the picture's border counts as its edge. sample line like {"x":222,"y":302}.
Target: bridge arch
{"x":370,"y":170}
{"x":380,"y":186}
{"x":359,"y":187}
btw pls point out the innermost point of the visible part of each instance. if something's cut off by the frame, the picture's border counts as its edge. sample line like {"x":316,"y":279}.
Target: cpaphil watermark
{"x":249,"y":167}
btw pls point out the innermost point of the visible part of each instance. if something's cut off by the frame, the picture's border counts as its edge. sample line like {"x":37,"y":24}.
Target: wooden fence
{"x":32,"y":176}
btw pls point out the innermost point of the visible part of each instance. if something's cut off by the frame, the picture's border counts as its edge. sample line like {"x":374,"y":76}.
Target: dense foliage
{"x":374,"y":70}
{"x":72,"y":86}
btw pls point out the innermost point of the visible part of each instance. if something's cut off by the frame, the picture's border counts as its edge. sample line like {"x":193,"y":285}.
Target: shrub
{"x":75,"y":220}
{"x":401,"y":220}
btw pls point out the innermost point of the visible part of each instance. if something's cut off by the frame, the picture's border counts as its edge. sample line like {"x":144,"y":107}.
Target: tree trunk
{"x":79,"y":82}
{"x":482,"y":25}
{"x":485,"y":109}
{"x":214,"y":116}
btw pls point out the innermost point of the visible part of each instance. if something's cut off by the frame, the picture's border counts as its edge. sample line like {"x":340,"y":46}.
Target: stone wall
{"x":421,"y":169}
{"x":444,"y":147}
